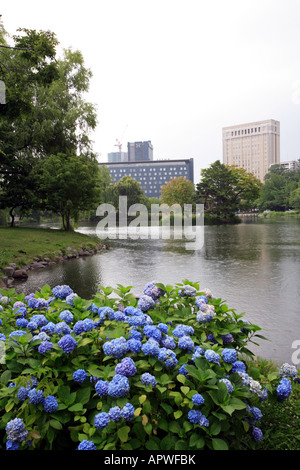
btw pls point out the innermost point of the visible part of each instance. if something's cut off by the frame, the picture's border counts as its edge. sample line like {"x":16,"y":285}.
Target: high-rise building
{"x":253,"y":146}
{"x":152,"y":175}
{"x":117,"y":157}
{"x":140,"y":151}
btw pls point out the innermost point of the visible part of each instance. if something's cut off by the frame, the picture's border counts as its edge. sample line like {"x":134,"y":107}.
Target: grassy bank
{"x":21,"y":245}
{"x":274,"y":214}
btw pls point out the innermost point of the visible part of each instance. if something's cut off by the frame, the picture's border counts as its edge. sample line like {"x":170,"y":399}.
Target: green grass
{"x":37,"y":242}
{"x":281,"y":421}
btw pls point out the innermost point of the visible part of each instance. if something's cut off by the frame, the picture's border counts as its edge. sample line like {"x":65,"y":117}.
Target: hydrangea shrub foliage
{"x":165,"y":371}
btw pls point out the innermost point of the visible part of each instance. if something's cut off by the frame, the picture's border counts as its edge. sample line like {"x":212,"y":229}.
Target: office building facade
{"x":253,"y":146}
{"x":140,"y":151}
{"x":152,"y":174}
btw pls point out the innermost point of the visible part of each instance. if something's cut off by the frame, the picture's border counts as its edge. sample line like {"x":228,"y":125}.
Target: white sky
{"x":176,"y":72}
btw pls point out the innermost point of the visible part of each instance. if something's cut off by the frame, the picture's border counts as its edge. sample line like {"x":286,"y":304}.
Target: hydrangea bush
{"x":165,"y":371}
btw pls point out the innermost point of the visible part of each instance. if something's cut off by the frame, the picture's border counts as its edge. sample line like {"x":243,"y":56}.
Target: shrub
{"x":162,"y":372}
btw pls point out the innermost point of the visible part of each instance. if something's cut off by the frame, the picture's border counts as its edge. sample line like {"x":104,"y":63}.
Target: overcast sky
{"x":176,"y":72}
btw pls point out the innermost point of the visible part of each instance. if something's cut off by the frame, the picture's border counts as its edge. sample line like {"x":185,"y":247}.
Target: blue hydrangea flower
{"x":194,"y":416}
{"x":2,"y":337}
{"x":146,"y":303}
{"x":101,"y":420}
{"x":257,"y":434}
{"x":22,"y":312}
{"x":212,"y":356}
{"x":127,"y":412}
{"x":168,"y":342}
{"x":12,"y":445}
{"x":228,"y":384}
{"x":21,"y":323}
{"x":168,"y":357}
{"x":67,"y":343}
{"x":197,"y":399}
{"x":116,"y":347}
{"x":229,"y":355}
{"x":50,"y":404}
{"x":50,"y":328}
{"x":148,"y":379}
{"x":62,"y":292}
{"x":62,"y":328}
{"x":86,"y":445}
{"x":88,"y":324}
{"x":255,"y":413}
{"x":18,"y":304}
{"x":183,"y":330}
{"x":183,"y":371}
{"x":70,"y":299}
{"x":15,"y":430}
{"x":45,"y":346}
{"x":135,"y":334}
{"x":22,"y":393}
{"x":126,"y":367}
{"x":14,"y":334}
{"x":101,"y":387}
{"x":119,"y":386}
{"x":66,"y":316}
{"x":201,"y":304}
{"x":204,"y":317}
{"x":114,"y":413}
{"x":164,"y":328}
{"x":35,"y":396}
{"x":32,"y":325}
{"x":186,"y":343}
{"x":288,"y":371}
{"x":151,"y":331}
{"x":79,"y":327}
{"x":198,"y":352}
{"x":284,"y":389}
{"x":151,"y":347}
{"x":238,"y":366}
{"x":134,"y":345}
{"x":41,"y":320}
{"x":80,"y":376}
{"x":153,"y":291}
{"x":187,"y":291}
{"x":227,"y":338}
{"x":137,"y":320}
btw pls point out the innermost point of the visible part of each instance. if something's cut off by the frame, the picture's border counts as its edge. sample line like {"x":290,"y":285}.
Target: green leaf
{"x":219,"y":444}
{"x":123,"y":433}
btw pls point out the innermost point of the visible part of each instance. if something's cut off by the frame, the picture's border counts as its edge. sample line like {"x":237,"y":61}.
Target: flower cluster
{"x":115,"y":413}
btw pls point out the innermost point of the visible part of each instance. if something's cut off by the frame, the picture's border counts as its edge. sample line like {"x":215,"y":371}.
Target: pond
{"x":254,"y":266}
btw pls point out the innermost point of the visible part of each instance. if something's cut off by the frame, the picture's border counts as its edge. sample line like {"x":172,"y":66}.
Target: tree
{"x":178,"y":191}
{"x":295,"y":199}
{"x":68,"y":184}
{"x":129,"y":187}
{"x":45,"y":112}
{"x":225,"y":190}
{"x":277,"y":189}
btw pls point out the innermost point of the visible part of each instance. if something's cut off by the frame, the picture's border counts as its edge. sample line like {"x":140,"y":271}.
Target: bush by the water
{"x":165,"y":371}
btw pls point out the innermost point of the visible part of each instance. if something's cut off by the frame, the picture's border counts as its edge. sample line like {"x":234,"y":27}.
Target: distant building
{"x":291,"y":165}
{"x":117,"y":157}
{"x":152,"y":174}
{"x":140,"y":151}
{"x":254,"y":146}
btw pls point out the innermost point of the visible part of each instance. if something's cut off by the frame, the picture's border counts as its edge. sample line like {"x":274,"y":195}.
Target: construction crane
{"x":118,"y":141}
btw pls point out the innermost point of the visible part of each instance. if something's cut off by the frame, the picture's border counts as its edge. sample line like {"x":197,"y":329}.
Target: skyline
{"x":177,"y":73}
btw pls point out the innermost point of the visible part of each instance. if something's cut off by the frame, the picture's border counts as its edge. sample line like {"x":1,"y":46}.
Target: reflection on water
{"x":254,"y":266}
